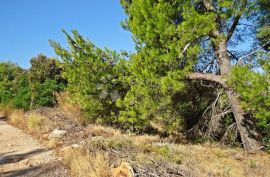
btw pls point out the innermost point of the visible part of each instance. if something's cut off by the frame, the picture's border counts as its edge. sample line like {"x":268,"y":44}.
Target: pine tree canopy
{"x":200,"y":40}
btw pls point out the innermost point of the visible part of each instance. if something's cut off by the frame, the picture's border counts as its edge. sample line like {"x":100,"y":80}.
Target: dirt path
{"x":21,"y":155}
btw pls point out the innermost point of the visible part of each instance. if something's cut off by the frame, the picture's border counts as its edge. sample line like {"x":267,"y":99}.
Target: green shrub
{"x":92,"y":76}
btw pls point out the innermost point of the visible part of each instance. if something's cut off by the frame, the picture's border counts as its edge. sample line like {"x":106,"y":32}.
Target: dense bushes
{"x":93,"y":75}
{"x":45,"y":80}
{"x":122,"y":92}
{"x":119,"y":92}
{"x":33,"y":87}
{"x":14,"y":86}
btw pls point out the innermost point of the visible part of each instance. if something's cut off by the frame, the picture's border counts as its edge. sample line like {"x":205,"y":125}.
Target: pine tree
{"x":192,"y":39}
{"x":92,"y":74}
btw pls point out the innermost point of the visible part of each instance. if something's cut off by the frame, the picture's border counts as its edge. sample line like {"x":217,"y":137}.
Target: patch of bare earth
{"x":21,"y":155}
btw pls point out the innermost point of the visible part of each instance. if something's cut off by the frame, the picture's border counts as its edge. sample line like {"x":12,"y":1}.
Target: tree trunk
{"x":223,"y":57}
{"x":245,"y":125}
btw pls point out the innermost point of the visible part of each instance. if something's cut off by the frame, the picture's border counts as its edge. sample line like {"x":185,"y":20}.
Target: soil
{"x":21,"y":155}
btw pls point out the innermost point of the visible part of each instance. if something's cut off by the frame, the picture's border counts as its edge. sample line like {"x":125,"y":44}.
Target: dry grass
{"x":33,"y":122}
{"x":98,"y":130}
{"x":73,"y":110}
{"x":37,"y":123}
{"x":147,"y":154}
{"x":209,"y":160}
{"x":17,"y":118}
{"x":205,"y":160}
{"x":147,"y":138}
{"x":85,"y":164}
{"x":54,"y":143}
{"x":5,"y":111}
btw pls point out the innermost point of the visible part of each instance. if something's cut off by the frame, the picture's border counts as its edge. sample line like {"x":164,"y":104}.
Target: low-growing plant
{"x":37,"y":123}
{"x":17,"y":118}
{"x":98,"y":130}
{"x":5,"y":111}
{"x":85,"y":164}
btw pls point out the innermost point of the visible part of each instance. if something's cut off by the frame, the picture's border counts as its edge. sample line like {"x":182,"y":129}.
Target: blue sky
{"x":27,"y":25}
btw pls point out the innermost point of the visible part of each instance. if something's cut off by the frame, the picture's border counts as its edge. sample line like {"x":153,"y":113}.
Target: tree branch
{"x":209,"y":63}
{"x":234,"y":56}
{"x":208,"y":77}
{"x":208,"y":5}
{"x":187,"y":46}
{"x":236,"y":21}
{"x":253,"y":52}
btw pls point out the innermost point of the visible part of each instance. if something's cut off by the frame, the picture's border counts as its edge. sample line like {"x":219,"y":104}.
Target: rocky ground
{"x":22,"y":155}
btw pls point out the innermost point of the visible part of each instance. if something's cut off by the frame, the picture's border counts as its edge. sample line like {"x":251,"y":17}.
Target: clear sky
{"x":27,"y":25}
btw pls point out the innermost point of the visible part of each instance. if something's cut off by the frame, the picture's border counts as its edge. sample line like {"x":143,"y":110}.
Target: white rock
{"x":57,"y":134}
{"x":24,"y":162}
{"x":82,"y":143}
{"x":75,"y":146}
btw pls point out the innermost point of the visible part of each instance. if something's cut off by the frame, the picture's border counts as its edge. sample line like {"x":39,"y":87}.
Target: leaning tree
{"x":199,"y":40}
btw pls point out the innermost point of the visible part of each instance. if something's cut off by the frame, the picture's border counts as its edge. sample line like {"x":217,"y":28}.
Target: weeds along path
{"x":21,"y":155}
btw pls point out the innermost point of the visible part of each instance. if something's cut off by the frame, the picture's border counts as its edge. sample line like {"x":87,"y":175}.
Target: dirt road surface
{"x":21,"y":155}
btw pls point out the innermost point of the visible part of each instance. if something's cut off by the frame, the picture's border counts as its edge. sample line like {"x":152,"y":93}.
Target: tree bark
{"x":223,"y":57}
{"x":208,"y":77}
{"x":245,"y":125}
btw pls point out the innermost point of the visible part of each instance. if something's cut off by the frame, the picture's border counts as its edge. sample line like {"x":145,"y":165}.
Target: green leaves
{"x":31,"y":88}
{"x":92,"y":74}
{"x":254,"y":90}
{"x":44,"y":81}
{"x":14,"y":86}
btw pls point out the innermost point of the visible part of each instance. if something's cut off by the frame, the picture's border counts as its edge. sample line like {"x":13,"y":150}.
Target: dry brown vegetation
{"x":5,"y":111}
{"x":71,"y":109}
{"x":151,"y":156}
{"x":17,"y":118}
{"x":96,"y":150}
{"x":37,"y":123}
{"x":32,"y":122}
{"x":98,"y":130}
{"x":85,"y":164}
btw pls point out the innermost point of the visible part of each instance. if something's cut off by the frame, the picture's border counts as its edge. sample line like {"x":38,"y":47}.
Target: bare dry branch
{"x":251,"y":53}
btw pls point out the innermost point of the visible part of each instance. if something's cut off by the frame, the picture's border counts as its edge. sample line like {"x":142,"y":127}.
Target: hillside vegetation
{"x":101,"y":151}
{"x":198,"y":80}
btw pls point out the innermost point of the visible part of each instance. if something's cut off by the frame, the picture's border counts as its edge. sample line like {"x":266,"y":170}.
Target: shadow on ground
{"x":54,"y":169}
{"x":23,"y":172}
{"x":13,"y":158}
